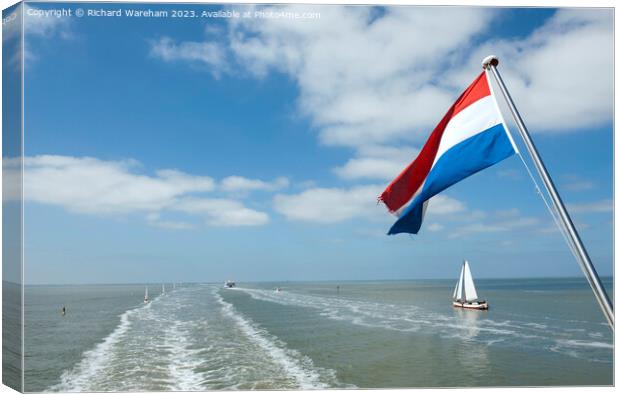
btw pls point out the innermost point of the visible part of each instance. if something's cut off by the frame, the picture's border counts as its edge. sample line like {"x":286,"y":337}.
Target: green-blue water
{"x":310,"y":335}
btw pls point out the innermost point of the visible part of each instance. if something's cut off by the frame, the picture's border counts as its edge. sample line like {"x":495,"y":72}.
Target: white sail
{"x":146,"y":294}
{"x":163,"y":288}
{"x":458,"y":289}
{"x":468,"y":284}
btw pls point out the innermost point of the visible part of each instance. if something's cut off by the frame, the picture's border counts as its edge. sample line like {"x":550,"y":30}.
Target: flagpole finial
{"x":490,"y":61}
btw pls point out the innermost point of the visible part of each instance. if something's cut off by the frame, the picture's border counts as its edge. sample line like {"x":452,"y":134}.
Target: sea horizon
{"x":602,"y":277}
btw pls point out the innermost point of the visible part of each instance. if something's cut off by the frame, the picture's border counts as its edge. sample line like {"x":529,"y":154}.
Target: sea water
{"x":380,"y":334}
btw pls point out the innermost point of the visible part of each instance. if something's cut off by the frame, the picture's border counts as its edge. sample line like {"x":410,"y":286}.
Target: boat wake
{"x":466,"y":326}
{"x":82,"y":376}
{"x":301,"y":368}
{"x":175,"y":343}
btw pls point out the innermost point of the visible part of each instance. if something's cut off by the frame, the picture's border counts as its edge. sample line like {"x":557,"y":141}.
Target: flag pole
{"x":490,"y":64}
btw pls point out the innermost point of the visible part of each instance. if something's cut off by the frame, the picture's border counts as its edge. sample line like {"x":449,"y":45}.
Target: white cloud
{"x":561,"y":76}
{"x":477,"y":228}
{"x":552,"y":228}
{"x":444,"y":205}
{"x":204,"y":53}
{"x":576,"y":183}
{"x":240,"y":184}
{"x":92,"y":186}
{"x":372,"y":78}
{"x":332,"y":205}
{"x":384,"y":78}
{"x":510,"y":174}
{"x":579,"y":186}
{"x":172,"y":225}
{"x":499,"y":221}
{"x":154,"y":219}
{"x":370,"y":167}
{"x":223,"y":212}
{"x":324,"y":205}
{"x":309,"y":184}
{"x":377,"y":162}
{"x":435,"y":227}
{"x":507,"y":213}
{"x":45,"y":23}
{"x":34,"y":27}
{"x":364,"y":78}
{"x":602,"y":206}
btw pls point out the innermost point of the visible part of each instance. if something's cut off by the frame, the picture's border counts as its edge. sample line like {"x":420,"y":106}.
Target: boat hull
{"x":483,"y":305}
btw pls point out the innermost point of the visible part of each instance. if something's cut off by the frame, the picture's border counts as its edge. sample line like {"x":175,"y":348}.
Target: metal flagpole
{"x":490,"y":63}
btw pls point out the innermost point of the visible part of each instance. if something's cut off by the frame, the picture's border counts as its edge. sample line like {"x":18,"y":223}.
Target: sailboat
{"x":163,"y":288}
{"x":146,"y":295}
{"x":465,"y":295}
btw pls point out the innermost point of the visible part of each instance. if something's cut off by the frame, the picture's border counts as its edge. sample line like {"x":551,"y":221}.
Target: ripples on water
{"x":190,"y":340}
{"x":204,"y":337}
{"x":464,"y":325}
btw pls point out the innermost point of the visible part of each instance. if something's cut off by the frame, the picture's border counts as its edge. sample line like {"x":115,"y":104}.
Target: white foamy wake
{"x":81,"y":376}
{"x":361,"y":313}
{"x":299,"y":367}
{"x":409,"y":318}
{"x":176,"y":343}
{"x":145,"y":350}
{"x":581,"y":348}
{"x":183,"y":361}
{"x":579,"y":343}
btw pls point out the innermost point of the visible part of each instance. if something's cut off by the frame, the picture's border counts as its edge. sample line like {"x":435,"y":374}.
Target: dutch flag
{"x":471,"y":137}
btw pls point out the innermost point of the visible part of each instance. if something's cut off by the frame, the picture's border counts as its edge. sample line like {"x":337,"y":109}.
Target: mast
{"x":463,"y":291}
{"x":490,"y":65}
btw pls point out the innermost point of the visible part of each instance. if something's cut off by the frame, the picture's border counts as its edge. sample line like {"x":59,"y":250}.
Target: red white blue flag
{"x":471,"y":137}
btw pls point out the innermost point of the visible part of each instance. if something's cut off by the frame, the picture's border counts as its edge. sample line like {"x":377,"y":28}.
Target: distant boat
{"x":229,"y":284}
{"x":278,"y":289}
{"x":465,"y":295}
{"x":163,"y":288}
{"x":146,"y":295}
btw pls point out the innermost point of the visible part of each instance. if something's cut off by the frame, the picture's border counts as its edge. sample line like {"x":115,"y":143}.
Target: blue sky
{"x":204,"y":149}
